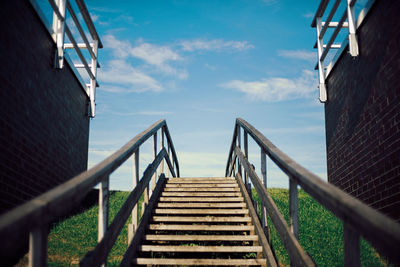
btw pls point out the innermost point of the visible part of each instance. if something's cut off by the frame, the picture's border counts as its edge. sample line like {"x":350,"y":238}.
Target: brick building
{"x":44,"y":122}
{"x":362,"y":112}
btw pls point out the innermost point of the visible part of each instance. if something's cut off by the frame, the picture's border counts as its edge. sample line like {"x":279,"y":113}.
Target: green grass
{"x":321,"y":234}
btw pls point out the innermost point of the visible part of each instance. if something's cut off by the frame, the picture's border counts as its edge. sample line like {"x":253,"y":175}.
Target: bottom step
{"x":212,"y":262}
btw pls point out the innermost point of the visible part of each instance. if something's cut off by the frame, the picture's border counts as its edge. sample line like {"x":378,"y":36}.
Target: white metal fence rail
{"x":60,"y":28}
{"x":322,"y":27}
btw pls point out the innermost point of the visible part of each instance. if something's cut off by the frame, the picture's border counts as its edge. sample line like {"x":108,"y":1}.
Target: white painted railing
{"x":60,"y":28}
{"x":322,"y":22}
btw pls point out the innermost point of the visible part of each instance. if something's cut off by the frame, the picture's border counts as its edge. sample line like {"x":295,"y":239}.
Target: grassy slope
{"x":321,"y":234}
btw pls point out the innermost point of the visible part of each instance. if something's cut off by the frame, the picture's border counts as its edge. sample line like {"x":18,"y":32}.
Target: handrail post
{"x":37,"y":247}
{"x":154,"y":180}
{"x":103,"y":208}
{"x":238,"y":144}
{"x":246,"y":153}
{"x":93,"y":81}
{"x":59,"y":32}
{"x":351,"y":246}
{"x":169,"y":156}
{"x":353,"y":44}
{"x":135,"y":181}
{"x":161,"y":147}
{"x":264,"y":182}
{"x":321,"y":70}
{"x":293,"y":207}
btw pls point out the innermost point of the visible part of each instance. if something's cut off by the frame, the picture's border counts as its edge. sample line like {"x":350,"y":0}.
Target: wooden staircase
{"x":201,"y":221}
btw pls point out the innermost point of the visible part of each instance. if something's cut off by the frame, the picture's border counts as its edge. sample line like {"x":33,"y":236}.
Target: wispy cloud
{"x":215,"y":45}
{"x":308,"y":15}
{"x":298,"y":54}
{"x":276,"y":89}
{"x":152,"y":55}
{"x":122,"y":77}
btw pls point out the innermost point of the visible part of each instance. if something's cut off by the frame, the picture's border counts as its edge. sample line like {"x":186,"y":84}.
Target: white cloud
{"x":119,"y":48}
{"x":276,"y":89}
{"x":152,"y":55}
{"x":215,"y":45}
{"x":122,"y":77}
{"x":308,"y":15}
{"x":298,"y":54}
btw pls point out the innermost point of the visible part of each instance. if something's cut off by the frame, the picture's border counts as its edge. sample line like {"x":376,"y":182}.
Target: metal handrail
{"x":322,"y":26}
{"x":60,"y":28}
{"x":36,"y":215}
{"x":359,"y":219}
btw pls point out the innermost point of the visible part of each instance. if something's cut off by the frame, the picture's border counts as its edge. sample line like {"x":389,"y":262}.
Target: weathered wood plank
{"x":201,"y":194}
{"x":377,"y":228}
{"x":296,"y":253}
{"x":267,"y":251}
{"x":184,"y":227}
{"x":242,"y":249}
{"x":351,"y":246}
{"x":132,"y":248}
{"x":194,"y":262}
{"x":201,"y":185}
{"x":100,"y":253}
{"x":201,"y":205}
{"x":57,"y":202}
{"x":201,"y":237}
{"x":187,"y":181}
{"x":210,"y":189}
{"x":201,"y":211}
{"x":293,"y":208}
{"x":202,"y":199}
{"x":200,"y":219}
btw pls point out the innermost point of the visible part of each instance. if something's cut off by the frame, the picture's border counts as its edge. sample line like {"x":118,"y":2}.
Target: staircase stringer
{"x":133,"y":248}
{"x":262,"y":240}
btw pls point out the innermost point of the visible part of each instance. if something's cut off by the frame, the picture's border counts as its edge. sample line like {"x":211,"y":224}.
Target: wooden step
{"x":199,"y":189}
{"x":201,"y":194}
{"x":201,"y":205}
{"x":201,"y":185}
{"x":201,"y":211}
{"x":242,"y":249}
{"x":201,"y":199}
{"x":183,"y":227}
{"x":201,"y":237}
{"x":202,"y":178}
{"x":195,"y":262}
{"x":200,"y":219}
{"x":192,"y":181}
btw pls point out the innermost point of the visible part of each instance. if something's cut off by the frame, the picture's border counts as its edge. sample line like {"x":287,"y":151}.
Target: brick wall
{"x":44,"y":127}
{"x":363,"y":113}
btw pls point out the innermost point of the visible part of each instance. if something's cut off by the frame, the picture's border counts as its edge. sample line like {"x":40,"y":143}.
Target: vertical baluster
{"x":59,"y":33}
{"x":135,"y":181}
{"x":321,"y":70}
{"x":293,"y":207}
{"x":37,"y":247}
{"x":169,"y":156}
{"x":103,"y":208}
{"x":351,"y":246}
{"x":239,"y":145}
{"x":351,"y":18}
{"x":154,"y":179}
{"x":161,"y":147}
{"x":246,"y":153}
{"x":264,"y":182}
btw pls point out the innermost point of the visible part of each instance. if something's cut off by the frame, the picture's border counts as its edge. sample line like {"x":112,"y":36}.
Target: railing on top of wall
{"x":322,"y":27}
{"x":36,"y":215}
{"x":60,"y":28}
{"x":358,"y":219}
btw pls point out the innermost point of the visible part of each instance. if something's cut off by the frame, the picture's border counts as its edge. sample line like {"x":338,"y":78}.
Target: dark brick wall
{"x":44,"y":127}
{"x":363,"y":113}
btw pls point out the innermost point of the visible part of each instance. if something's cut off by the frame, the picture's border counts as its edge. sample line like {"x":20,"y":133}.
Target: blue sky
{"x":200,"y":65}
